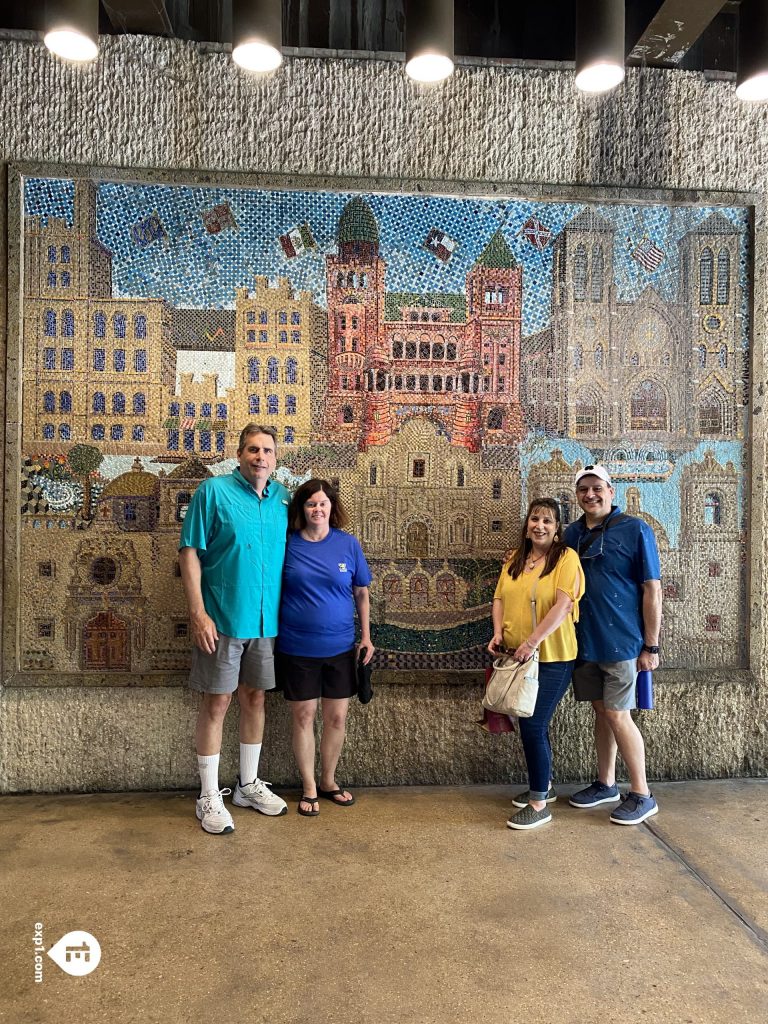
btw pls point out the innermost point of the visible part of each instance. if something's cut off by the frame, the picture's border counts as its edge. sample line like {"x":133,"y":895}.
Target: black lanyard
{"x":591,"y":535}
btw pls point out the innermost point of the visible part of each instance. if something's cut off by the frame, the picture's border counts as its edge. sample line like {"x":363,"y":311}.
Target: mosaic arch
{"x":442,"y":358}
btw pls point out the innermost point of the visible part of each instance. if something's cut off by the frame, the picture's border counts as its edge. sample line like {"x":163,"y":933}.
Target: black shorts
{"x":311,"y":678}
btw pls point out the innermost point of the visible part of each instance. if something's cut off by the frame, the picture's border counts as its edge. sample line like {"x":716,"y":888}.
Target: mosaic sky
{"x":191,"y":267}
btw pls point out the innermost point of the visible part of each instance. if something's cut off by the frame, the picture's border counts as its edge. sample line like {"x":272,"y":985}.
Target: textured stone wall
{"x":156,"y":104}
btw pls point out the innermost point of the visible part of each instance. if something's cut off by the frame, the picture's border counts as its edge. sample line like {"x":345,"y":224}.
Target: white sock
{"x":249,"y":762}
{"x":208,"y":766}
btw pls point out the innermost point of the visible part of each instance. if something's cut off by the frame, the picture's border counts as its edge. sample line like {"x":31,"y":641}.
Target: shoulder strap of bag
{"x":590,"y":536}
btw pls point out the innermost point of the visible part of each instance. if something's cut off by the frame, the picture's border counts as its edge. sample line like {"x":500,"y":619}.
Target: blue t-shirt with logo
{"x":617,"y":563}
{"x":317,"y":609}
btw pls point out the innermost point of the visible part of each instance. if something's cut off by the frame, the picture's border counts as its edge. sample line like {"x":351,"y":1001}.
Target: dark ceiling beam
{"x":140,"y":17}
{"x":673,"y":30}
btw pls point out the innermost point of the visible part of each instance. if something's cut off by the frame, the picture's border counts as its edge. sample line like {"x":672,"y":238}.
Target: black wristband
{"x":650,"y":649}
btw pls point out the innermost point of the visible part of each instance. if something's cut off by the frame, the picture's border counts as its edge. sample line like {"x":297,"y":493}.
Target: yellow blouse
{"x":515,"y":597}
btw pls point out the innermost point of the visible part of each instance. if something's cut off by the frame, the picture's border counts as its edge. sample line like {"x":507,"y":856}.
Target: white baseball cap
{"x":598,"y":471}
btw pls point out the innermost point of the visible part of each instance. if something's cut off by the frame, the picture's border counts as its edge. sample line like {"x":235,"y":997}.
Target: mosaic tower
{"x":392,"y":357}
{"x":95,"y":366}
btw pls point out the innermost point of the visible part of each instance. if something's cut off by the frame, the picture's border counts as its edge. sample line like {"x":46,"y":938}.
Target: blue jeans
{"x":554,"y":677}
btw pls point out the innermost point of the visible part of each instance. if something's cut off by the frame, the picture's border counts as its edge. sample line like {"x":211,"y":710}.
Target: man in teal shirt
{"x":231,"y":558}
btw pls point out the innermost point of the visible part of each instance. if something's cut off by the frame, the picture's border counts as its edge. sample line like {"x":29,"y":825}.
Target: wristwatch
{"x":651,"y":649}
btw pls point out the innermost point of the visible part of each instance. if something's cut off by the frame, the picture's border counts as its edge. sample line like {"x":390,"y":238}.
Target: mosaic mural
{"x":443,"y":359}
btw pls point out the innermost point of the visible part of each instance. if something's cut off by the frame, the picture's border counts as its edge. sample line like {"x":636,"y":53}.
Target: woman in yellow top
{"x":541,"y":567}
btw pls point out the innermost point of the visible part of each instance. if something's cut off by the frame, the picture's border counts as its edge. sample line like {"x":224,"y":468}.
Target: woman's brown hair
{"x":296,"y":518}
{"x":523,"y":549}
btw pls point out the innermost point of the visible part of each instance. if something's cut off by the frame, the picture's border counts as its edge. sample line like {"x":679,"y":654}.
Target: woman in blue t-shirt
{"x":325,"y":578}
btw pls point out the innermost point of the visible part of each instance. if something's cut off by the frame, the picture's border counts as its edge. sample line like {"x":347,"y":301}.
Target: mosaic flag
{"x":536,"y":233}
{"x":218,"y":218}
{"x":649,"y":256}
{"x":297,"y":240}
{"x":148,"y":230}
{"x":440,"y":245}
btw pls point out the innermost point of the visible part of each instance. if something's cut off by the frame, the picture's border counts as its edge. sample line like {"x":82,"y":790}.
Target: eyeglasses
{"x":587,"y":545}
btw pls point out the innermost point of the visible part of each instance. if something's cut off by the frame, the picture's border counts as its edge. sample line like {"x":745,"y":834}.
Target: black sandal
{"x":315,"y":806}
{"x":331,"y":794}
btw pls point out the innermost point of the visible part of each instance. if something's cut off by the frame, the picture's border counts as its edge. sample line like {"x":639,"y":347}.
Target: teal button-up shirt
{"x":240,"y":540}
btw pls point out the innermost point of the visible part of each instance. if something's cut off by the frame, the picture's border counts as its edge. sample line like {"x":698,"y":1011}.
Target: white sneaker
{"x":213,"y":815}
{"x":260,"y":798}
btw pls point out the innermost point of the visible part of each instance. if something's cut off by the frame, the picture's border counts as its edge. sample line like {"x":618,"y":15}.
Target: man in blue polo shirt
{"x":618,"y":635}
{"x":231,"y":555}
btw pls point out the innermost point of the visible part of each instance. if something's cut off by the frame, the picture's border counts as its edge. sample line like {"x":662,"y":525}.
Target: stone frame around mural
{"x":13,"y":674}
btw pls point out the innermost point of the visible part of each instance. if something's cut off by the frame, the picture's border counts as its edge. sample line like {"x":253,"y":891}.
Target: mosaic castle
{"x":435,"y":413}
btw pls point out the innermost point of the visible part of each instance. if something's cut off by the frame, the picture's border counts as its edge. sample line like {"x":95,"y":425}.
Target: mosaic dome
{"x":357,"y":222}
{"x":137,"y":483}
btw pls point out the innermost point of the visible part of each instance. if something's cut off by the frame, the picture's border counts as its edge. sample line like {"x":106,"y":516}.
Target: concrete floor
{"x":416,"y":906}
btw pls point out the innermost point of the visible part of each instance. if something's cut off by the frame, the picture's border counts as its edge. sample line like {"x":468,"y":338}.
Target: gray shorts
{"x":612,"y":682}
{"x":234,"y":662}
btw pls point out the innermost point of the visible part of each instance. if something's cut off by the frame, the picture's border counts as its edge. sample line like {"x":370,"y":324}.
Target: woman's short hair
{"x":296,"y":518}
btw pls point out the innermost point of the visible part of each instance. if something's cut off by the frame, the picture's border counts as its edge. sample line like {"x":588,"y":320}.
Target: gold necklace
{"x":532,"y":562}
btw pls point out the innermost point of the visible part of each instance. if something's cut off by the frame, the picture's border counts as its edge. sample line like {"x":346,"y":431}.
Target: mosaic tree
{"x":85,"y":460}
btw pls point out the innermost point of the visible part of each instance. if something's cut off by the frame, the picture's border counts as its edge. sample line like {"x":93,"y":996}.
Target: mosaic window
{"x":596,"y":293}
{"x":705,"y":277}
{"x":118,"y":325}
{"x":723,"y":277}
{"x":392,"y":363}
{"x":712,"y":509}
{"x":580,"y":274}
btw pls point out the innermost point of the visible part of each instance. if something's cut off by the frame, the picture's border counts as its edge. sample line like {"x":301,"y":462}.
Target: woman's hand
{"x":369,"y":649}
{"x":497,"y":643}
{"x":524,"y":652}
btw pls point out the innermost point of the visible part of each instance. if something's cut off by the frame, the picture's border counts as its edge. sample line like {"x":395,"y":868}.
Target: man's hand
{"x":647,"y":662}
{"x":204,"y":633}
